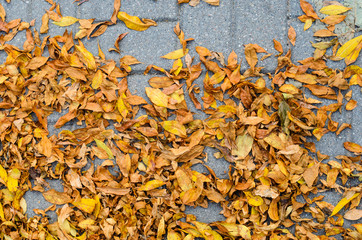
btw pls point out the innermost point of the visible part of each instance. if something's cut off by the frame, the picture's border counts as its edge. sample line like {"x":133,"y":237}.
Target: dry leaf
{"x":334,"y":9}
{"x":292,"y":35}
{"x":134,"y":23}
{"x":66,"y":21}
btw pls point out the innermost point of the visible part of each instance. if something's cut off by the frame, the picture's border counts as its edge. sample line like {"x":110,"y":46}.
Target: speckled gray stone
{"x":260,"y":22}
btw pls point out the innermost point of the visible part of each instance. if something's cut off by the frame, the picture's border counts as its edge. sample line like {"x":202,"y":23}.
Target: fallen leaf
{"x":244,"y":145}
{"x":66,"y":21}
{"x":292,"y":35}
{"x":103,"y":146}
{"x":176,"y":54}
{"x":352,"y":104}
{"x":353,"y":147}
{"x":174,"y":127}
{"x":308,"y":9}
{"x":354,"y":214}
{"x":85,"y":204}
{"x":157,"y":97}
{"x":150,"y":185}
{"x":343,"y":202}
{"x":56,"y":197}
{"x":348,"y":47}
{"x":334,"y":9}
{"x":134,"y":23}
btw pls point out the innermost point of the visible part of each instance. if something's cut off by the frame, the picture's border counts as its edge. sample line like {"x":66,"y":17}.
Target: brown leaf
{"x":116,"y":7}
{"x":353,"y":215}
{"x":311,"y":174}
{"x":56,"y":197}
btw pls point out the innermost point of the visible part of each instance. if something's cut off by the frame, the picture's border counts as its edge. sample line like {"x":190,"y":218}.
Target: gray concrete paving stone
{"x":158,"y":10}
{"x":260,"y":22}
{"x":147,"y":47}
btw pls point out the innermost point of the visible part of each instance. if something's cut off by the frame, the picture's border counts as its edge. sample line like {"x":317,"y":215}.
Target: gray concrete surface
{"x":224,"y":28}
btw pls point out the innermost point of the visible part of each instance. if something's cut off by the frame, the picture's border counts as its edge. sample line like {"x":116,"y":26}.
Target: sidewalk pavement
{"x":224,"y":28}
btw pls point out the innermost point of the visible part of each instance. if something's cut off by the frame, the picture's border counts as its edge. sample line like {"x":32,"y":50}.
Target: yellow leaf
{"x":351,"y":58}
{"x":150,"y":185}
{"x":102,"y":145}
{"x":177,"y":66}
{"x":244,"y":144}
{"x":308,"y":24}
{"x":134,"y":23}
{"x":85,"y":223}
{"x":13,"y":179}
{"x":3,"y":175}
{"x":254,"y":200}
{"x":157,"y":97}
{"x":358,"y":226}
{"x":174,"y":127}
{"x":179,"y":53}
{"x":217,"y":77}
{"x":2,"y":215}
{"x":289,"y":88}
{"x":97,"y":207}
{"x":66,"y":21}
{"x":2,"y":13}
{"x":207,"y":231}
{"x":334,"y":9}
{"x":121,"y":106}
{"x":87,"y":57}
{"x":85,"y":204}
{"x":97,"y":79}
{"x":235,"y":230}
{"x":348,"y":47}
{"x":344,"y":201}
{"x":172,"y":235}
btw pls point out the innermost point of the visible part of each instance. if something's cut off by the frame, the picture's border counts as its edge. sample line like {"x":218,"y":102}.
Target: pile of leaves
{"x":263,"y":124}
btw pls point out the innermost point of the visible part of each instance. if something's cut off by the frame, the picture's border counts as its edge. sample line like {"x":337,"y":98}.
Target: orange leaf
{"x":308,"y":9}
{"x":292,"y":35}
{"x":353,"y":147}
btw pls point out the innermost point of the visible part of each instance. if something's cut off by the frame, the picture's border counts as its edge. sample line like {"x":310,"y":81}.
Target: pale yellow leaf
{"x":157,"y":97}
{"x":134,"y":23}
{"x":179,"y":53}
{"x":334,"y":9}
{"x":85,"y":204}
{"x":102,"y":145}
{"x":66,"y":21}
{"x":174,"y":127}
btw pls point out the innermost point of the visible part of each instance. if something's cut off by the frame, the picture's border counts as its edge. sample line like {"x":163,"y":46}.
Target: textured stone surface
{"x":158,"y":10}
{"x":260,"y":22}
